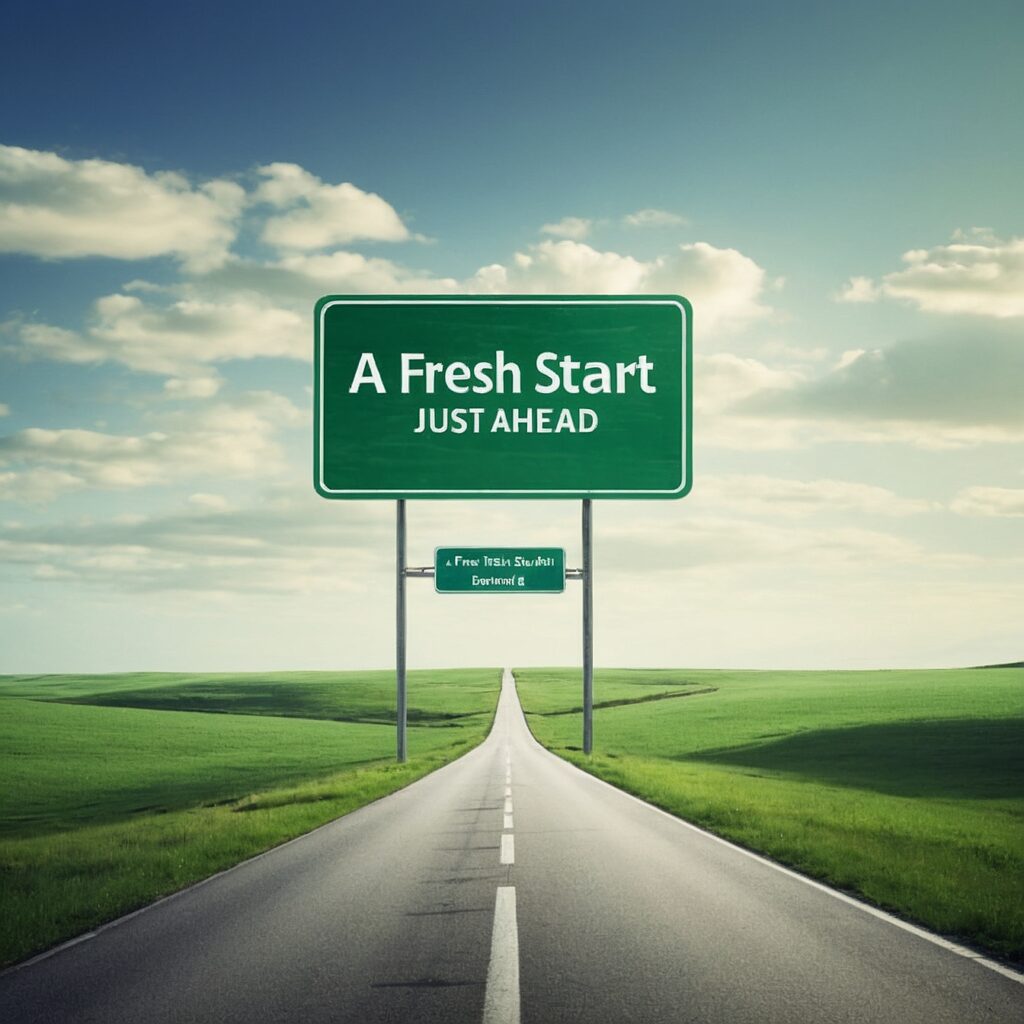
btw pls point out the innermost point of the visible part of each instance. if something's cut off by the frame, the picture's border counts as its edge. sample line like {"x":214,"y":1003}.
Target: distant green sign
{"x":499,"y":570}
{"x":502,"y":397}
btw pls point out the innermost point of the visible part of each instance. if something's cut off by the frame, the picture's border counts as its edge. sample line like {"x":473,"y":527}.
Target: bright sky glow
{"x":837,"y":189}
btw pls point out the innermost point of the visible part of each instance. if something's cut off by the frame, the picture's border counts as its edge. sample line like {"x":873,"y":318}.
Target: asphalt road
{"x":507,"y":886}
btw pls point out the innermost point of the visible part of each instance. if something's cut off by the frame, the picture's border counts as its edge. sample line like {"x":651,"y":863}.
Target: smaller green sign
{"x":499,"y":570}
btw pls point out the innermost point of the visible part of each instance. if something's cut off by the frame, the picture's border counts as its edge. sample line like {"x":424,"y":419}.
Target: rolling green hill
{"x":120,"y":789}
{"x":903,"y":787}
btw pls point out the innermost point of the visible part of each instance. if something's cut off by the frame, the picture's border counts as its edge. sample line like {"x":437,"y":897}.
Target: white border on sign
{"x":469,"y":492}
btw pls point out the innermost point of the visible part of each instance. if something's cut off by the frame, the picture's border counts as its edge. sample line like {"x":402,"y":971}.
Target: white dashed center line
{"x":501,"y":999}
{"x":508,"y":849}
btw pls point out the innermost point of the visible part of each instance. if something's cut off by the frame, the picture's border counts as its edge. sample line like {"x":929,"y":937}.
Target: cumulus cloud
{"x":723,"y":383}
{"x":665,"y":542}
{"x":726,"y":380}
{"x":950,"y":379}
{"x":939,"y":393}
{"x":858,"y":289}
{"x":281,"y":545}
{"x":723,"y":285}
{"x":288,"y":542}
{"x":989,"y":501}
{"x":943,"y":392}
{"x":653,"y":218}
{"x":178,"y":338}
{"x":754,"y":494}
{"x":976,"y":274}
{"x":36,"y":485}
{"x":193,"y":387}
{"x":203,"y":500}
{"x":566,"y":267}
{"x":241,"y":310}
{"x":57,"y":208}
{"x":235,"y":439}
{"x":318,"y":215}
{"x":343,"y":271}
{"x":297,"y":280}
{"x":569,"y":227}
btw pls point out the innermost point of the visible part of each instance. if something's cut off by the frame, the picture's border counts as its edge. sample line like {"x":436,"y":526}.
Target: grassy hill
{"x":904,"y":787}
{"x":120,"y":789}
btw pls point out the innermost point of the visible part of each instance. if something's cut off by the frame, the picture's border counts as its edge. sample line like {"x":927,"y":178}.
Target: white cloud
{"x":203,"y":500}
{"x":653,"y":218}
{"x":663,"y":541}
{"x":227,"y":570}
{"x":976,"y":234}
{"x":752,"y":494}
{"x":280,"y":545}
{"x":977,"y":274}
{"x":989,"y":501}
{"x":793,"y":354}
{"x":50,"y":342}
{"x":5,"y":409}
{"x":234,"y":439}
{"x":849,"y":357}
{"x":57,"y":208}
{"x":722,"y":383}
{"x":319,"y":215}
{"x":177,"y":339}
{"x":36,"y":485}
{"x":969,"y":380}
{"x":352,"y":272}
{"x":723,"y":380}
{"x":244,"y":309}
{"x":942,"y":393}
{"x":576,"y":228}
{"x":724,"y":286}
{"x":192,"y":387}
{"x":566,"y":267}
{"x":287,"y":542}
{"x":859,"y":289}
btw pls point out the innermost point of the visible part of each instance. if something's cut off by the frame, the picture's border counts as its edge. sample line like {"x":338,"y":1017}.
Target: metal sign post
{"x":585,"y":575}
{"x":501,"y":396}
{"x":400,"y":702}
{"x":588,"y":632}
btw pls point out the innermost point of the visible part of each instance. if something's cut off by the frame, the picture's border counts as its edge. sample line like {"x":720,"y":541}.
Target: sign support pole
{"x":400,"y":629}
{"x":588,"y":632}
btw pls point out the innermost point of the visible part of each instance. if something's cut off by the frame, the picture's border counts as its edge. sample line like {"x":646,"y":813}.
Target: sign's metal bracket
{"x":427,"y":572}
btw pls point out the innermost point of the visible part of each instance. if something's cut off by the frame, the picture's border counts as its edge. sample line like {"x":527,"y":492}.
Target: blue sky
{"x":836,"y":188}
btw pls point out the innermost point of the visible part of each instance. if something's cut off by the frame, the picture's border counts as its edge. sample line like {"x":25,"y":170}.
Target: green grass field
{"x":120,"y":789}
{"x":903,"y":787}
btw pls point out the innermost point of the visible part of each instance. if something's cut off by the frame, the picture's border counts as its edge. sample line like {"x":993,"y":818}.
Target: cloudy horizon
{"x":858,"y":346}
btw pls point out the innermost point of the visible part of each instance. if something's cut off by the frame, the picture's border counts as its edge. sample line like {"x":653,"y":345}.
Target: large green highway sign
{"x":499,"y":570}
{"x":502,"y":397}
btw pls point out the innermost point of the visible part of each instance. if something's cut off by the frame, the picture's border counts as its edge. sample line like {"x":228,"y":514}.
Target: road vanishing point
{"x":509,"y":887}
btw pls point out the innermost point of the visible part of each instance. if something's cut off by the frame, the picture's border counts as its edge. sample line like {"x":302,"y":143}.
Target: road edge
{"x":192,"y":886}
{"x":934,"y":938}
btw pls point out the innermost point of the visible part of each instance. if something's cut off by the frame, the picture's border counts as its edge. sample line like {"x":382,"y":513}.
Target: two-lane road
{"x":508,"y":886}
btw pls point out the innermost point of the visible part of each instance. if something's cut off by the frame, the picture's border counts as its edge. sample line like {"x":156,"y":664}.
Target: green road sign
{"x":499,"y":570}
{"x":502,"y":397}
